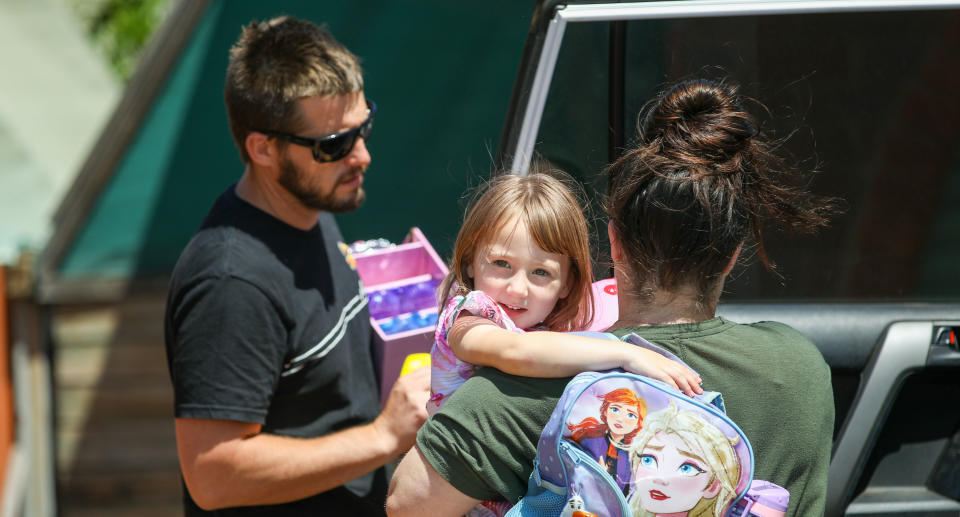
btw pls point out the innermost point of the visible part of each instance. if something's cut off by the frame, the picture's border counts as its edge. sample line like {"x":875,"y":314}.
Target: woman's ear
{"x":616,"y":252}
{"x":733,"y":260}
{"x":260,"y":149}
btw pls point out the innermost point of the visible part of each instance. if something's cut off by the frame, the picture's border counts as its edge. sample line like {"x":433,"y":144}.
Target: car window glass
{"x":868,"y":99}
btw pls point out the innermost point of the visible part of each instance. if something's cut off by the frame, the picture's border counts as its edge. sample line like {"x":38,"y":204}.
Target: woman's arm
{"x":556,"y":354}
{"x":417,"y":489}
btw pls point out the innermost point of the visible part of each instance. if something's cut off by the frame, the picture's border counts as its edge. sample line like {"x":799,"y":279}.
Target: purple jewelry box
{"x":411,"y":263}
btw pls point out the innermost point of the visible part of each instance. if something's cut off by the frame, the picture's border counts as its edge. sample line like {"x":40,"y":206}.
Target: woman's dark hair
{"x":701,"y":181}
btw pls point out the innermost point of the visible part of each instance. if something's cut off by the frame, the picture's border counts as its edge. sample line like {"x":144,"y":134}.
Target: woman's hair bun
{"x":701,"y":117}
{"x":699,"y":184}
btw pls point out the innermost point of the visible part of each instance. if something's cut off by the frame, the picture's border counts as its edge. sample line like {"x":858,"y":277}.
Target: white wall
{"x":56,"y":94}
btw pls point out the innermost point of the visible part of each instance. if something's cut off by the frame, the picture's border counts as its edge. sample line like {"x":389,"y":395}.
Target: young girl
{"x":522,"y":262}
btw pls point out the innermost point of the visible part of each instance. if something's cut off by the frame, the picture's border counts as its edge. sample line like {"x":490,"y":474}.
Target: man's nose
{"x":359,"y":155}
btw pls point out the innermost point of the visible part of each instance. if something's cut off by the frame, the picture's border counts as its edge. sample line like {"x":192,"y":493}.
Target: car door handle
{"x":944,"y":351}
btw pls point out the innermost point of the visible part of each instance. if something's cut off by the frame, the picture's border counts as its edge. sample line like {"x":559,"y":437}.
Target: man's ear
{"x":616,"y":252}
{"x":261,"y":150}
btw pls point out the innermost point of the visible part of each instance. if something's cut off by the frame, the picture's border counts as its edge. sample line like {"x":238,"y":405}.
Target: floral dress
{"x":447,"y":372}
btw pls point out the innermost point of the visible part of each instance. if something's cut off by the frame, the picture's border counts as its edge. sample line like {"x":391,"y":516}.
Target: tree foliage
{"x":122,"y":28}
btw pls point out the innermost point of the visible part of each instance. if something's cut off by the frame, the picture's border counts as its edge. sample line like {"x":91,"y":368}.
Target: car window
{"x":867,"y":99}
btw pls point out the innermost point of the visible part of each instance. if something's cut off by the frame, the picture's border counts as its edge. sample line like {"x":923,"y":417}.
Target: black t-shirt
{"x":269,"y":324}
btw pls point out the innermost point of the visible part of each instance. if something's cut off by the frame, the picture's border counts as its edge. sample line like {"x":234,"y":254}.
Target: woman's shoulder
{"x":490,"y":383}
{"x":492,"y":394}
{"x":781,"y":338}
{"x":781,"y":330}
{"x":757,"y":328}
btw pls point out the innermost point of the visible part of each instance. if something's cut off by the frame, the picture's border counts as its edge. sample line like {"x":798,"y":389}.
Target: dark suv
{"x":868,"y":94}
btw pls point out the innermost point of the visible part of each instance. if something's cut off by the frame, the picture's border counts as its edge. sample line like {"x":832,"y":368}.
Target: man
{"x":267,"y":330}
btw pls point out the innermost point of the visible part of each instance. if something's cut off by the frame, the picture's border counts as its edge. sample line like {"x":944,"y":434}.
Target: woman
{"x":683,"y":466}
{"x":608,"y":440}
{"x":701,"y":185}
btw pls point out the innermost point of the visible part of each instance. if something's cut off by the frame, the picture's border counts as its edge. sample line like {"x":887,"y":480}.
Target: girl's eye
{"x":541,"y":272}
{"x":690,"y":470}
{"x":648,"y":461}
{"x":500,"y":263}
{"x":614,"y":410}
{"x":631,"y":415}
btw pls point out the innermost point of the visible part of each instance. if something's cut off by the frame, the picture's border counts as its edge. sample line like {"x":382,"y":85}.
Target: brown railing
{"x":6,"y":388}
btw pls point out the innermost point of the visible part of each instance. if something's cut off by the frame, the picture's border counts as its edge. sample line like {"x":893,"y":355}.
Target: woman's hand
{"x":651,"y":364}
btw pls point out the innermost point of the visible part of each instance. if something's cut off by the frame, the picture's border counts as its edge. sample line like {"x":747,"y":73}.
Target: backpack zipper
{"x":581,"y":458}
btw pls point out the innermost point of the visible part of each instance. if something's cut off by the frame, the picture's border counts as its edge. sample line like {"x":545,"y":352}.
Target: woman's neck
{"x":665,"y":308}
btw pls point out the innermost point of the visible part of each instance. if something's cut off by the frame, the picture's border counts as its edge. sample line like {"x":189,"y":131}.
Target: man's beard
{"x":291,"y":179}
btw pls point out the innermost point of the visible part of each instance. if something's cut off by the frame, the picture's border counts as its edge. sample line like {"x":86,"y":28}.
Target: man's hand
{"x":405,"y":410}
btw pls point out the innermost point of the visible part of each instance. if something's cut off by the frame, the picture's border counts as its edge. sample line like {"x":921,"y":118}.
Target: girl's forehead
{"x":503,"y":227}
{"x":501,"y":232}
{"x":512,"y":236}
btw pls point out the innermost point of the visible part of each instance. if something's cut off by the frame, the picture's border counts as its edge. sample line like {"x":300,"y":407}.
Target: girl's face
{"x":671,"y":476}
{"x":621,"y":419}
{"x":522,"y":278}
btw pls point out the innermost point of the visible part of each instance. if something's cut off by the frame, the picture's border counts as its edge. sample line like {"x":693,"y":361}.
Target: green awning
{"x":441,"y":73}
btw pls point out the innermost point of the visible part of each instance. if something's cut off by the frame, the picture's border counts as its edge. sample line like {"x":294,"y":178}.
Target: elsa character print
{"x":608,"y":440}
{"x":683,"y":466}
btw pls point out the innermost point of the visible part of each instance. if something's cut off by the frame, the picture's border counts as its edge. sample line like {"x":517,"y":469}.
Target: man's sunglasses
{"x":333,"y":147}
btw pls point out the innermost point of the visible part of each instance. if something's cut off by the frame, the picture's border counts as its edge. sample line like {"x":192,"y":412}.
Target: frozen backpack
{"x":624,"y":445}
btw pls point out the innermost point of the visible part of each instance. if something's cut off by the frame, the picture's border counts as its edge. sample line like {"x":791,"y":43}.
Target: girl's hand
{"x":651,"y":364}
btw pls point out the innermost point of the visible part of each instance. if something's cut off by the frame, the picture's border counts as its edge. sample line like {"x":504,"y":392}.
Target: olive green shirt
{"x":774,"y":381}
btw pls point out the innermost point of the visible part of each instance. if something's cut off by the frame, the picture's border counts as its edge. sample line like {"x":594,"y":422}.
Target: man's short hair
{"x":275,"y":63}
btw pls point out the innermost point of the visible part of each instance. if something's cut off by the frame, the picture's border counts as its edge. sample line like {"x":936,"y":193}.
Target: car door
{"x":865,"y":94}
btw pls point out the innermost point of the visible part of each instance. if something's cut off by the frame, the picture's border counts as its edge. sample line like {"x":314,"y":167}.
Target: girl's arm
{"x":556,"y":354}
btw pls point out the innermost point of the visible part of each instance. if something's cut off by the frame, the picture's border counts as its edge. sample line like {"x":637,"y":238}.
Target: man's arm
{"x":416,"y":486}
{"x":226,"y":463}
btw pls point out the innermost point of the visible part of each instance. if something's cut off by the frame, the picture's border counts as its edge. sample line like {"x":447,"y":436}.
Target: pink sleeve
{"x":481,"y":305}
{"x":447,"y":371}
